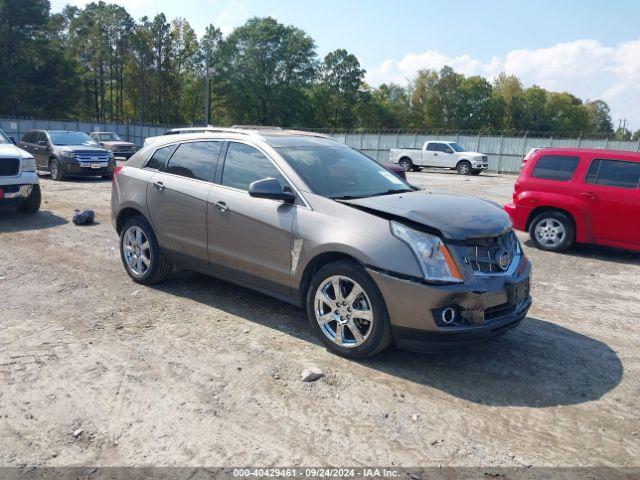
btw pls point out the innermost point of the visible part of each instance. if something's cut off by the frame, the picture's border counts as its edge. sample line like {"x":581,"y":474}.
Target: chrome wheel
{"x":54,"y":170}
{"x":464,"y":168}
{"x":137,"y":251}
{"x":550,"y":232}
{"x":343,"y":311}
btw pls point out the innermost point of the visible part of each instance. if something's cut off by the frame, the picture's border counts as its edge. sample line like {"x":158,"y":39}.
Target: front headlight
{"x":28,"y":165}
{"x":436,"y":262}
{"x":68,"y":154}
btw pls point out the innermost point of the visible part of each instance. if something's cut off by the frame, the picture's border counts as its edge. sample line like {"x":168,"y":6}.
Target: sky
{"x":589,"y":48}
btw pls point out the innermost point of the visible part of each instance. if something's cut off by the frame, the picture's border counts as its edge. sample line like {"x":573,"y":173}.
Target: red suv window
{"x":556,"y":167}
{"x":614,"y":173}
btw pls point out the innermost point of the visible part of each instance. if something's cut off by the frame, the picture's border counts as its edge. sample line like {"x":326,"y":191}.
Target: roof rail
{"x":257,"y":127}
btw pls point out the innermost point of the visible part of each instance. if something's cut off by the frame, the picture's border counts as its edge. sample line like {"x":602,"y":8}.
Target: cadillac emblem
{"x":503,"y":259}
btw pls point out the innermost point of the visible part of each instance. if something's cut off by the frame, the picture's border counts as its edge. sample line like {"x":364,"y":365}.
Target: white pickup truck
{"x":19,"y":184}
{"x":440,"y":154}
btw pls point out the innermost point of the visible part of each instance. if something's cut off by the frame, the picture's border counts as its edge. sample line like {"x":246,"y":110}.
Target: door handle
{"x":590,"y":195}
{"x":435,"y":154}
{"x":159,"y":186}
{"x":221,"y":206}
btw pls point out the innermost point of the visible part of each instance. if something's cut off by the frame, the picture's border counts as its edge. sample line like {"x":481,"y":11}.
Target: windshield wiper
{"x":392,"y":192}
{"x":348,"y":197}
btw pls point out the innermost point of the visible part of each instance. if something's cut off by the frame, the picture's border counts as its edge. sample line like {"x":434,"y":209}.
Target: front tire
{"x":56,"y":170}
{"x":552,"y":231}
{"x":406,"y":164}
{"x":475,"y":173}
{"x":32,"y":203}
{"x":464,"y":167}
{"x":140,"y":252}
{"x":347,"y":312}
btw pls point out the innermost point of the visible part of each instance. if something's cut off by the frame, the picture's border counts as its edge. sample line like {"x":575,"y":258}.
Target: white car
{"x":440,"y":154}
{"x":19,"y":183}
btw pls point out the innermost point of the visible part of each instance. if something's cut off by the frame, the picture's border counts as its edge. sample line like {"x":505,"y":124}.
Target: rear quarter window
{"x":159,"y":159}
{"x":614,"y":173}
{"x":556,"y":167}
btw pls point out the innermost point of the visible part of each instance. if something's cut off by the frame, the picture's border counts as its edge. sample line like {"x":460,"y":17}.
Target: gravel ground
{"x":96,"y":370}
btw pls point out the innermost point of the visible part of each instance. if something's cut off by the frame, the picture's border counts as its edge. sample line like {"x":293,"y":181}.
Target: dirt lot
{"x":200,"y":372}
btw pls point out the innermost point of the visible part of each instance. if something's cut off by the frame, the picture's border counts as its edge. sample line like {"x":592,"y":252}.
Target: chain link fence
{"x":505,"y":151}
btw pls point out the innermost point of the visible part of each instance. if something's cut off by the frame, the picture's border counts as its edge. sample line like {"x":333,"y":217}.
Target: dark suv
{"x":64,"y":153}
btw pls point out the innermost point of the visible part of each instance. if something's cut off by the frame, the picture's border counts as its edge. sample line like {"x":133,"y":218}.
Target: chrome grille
{"x":485,"y":254}
{"x":9,"y":167}
{"x":122,"y":148}
{"x":92,"y":157}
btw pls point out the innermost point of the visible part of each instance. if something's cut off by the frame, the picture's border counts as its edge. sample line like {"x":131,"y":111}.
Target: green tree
{"x":599,"y":116}
{"x":265,"y":69}
{"x":509,"y":102}
{"x":337,"y":93}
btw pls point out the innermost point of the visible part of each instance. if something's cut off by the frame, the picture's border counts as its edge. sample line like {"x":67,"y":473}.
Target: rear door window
{"x":614,"y":173}
{"x":433,"y":147}
{"x":29,"y":137}
{"x":556,"y":167}
{"x":196,"y":160}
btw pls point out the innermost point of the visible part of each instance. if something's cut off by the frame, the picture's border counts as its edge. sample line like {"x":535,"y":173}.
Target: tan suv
{"x":311,"y":221}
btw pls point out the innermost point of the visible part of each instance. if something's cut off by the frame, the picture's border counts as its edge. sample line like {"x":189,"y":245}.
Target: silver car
{"x":311,"y":221}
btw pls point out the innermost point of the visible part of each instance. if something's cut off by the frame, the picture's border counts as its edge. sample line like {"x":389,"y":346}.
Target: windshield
{"x":71,"y":138}
{"x":457,"y":147}
{"x":109,"y":137}
{"x":4,"y":138}
{"x":341,"y":172}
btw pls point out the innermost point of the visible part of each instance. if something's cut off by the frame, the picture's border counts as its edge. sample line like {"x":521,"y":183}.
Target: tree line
{"x":98,"y":63}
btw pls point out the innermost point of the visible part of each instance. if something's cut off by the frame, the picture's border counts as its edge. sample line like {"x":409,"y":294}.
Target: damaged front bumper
{"x":428,"y":317}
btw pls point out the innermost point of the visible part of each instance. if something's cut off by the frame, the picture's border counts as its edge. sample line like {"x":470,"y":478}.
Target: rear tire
{"x":372,"y":335}
{"x":552,"y":231}
{"x":416,"y":169}
{"x":140,"y":252}
{"x":464,"y":167}
{"x":56,"y":170}
{"x":406,"y":164}
{"x":32,"y":203}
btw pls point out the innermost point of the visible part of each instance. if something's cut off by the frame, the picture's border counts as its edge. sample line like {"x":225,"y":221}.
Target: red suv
{"x":567,"y":195}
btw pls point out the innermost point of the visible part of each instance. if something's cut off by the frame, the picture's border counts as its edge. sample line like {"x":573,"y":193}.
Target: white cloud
{"x":586,"y":68}
{"x":232,"y":15}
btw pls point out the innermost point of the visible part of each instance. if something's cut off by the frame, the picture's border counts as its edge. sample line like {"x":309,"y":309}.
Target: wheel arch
{"x":538,"y":210}
{"x":405,"y":157}
{"x":316,"y":263}
{"x":127,"y":213}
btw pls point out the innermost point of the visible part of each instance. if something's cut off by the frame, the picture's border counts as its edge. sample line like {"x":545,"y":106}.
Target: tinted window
{"x":29,"y":137}
{"x":41,"y":137}
{"x":341,"y":172}
{"x":614,"y":173}
{"x":556,"y":167}
{"x":245,"y":164}
{"x":159,"y":159}
{"x":434,"y":147}
{"x":71,"y":138}
{"x":195,"y":160}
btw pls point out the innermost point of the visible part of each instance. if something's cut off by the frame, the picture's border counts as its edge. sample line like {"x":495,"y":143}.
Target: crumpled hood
{"x":458,"y":217}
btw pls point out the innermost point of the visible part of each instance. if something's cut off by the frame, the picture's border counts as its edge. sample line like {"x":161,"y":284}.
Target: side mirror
{"x":12,"y":140}
{"x":449,"y":150}
{"x":270,"y":188}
